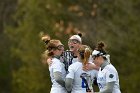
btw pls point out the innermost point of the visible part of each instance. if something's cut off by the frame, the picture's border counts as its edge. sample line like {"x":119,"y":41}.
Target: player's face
{"x":59,"y":49}
{"x":96,"y":60}
{"x":73,"y":45}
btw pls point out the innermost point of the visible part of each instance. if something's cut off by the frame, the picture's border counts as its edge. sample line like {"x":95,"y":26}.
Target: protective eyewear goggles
{"x":94,"y":57}
{"x":60,"y":47}
{"x":74,"y":41}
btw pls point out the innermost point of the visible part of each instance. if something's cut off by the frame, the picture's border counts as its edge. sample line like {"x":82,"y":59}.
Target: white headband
{"x":95,"y":52}
{"x":77,"y":37}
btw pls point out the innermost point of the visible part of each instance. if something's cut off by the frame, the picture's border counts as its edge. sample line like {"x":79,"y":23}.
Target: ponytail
{"x":87,"y":54}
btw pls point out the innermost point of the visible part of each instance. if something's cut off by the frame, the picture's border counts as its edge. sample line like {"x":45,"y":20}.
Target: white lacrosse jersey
{"x":57,"y":66}
{"x":74,"y":72}
{"x":108,"y":74}
{"x":74,"y":60}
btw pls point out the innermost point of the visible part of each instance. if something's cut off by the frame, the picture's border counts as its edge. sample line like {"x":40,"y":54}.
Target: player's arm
{"x":58,"y":78}
{"x":69,"y":78}
{"x":110,"y":79}
{"x":90,"y":66}
{"x":108,"y":88}
{"x":57,"y":72}
{"x":47,"y":61}
{"x":68,"y":84}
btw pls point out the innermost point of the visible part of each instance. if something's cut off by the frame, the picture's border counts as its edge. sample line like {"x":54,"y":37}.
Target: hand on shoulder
{"x":48,"y":61}
{"x":90,"y":66}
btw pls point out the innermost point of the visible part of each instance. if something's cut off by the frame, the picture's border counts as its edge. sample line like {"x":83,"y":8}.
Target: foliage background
{"x":23,"y":21}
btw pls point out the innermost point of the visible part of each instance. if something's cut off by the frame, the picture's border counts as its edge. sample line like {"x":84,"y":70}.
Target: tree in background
{"x":6,"y":9}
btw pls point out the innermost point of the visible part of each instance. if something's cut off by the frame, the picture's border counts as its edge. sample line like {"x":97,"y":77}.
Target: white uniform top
{"x":57,"y":66}
{"x":74,"y":60}
{"x":108,"y":74}
{"x":75,"y":70}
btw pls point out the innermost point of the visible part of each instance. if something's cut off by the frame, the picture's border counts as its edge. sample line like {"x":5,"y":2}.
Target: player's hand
{"x":49,"y":61}
{"x":90,"y":66}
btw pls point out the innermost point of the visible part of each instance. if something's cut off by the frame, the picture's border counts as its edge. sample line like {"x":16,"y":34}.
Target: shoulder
{"x":110,"y":68}
{"x":55,"y":61}
{"x":75,"y":65}
{"x":75,"y":60}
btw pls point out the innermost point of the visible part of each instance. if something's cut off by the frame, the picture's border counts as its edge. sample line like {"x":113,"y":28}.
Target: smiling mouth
{"x":71,"y":46}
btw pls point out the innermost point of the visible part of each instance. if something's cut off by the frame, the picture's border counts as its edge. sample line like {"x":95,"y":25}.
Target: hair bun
{"x":46,"y":39}
{"x":79,"y":34}
{"x":101,"y":44}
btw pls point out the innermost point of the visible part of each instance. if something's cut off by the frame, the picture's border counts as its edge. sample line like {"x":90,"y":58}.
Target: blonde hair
{"x":44,"y":56}
{"x":85,"y":52}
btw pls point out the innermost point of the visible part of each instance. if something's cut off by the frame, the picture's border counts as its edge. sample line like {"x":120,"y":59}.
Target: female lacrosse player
{"x":78,"y":80}
{"x":74,"y":43}
{"x":57,"y":70}
{"x":70,"y":56}
{"x":108,"y":79}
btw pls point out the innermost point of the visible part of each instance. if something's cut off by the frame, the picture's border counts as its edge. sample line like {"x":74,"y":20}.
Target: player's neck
{"x":74,"y":54}
{"x":56,"y":56}
{"x":105,"y":63}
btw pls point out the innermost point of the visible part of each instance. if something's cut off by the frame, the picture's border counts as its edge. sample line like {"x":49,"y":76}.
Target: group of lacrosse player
{"x":75,"y":70}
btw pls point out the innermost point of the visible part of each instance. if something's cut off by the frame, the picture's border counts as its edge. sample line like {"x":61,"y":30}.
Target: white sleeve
{"x":70,"y":72}
{"x":94,"y":73}
{"x":56,"y":66}
{"x":111,"y":76}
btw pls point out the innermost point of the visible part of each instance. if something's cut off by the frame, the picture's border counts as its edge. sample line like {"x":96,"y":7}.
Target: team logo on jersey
{"x":111,"y":76}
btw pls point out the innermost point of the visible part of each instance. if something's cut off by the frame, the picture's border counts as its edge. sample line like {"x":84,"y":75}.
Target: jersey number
{"x":83,"y":84}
